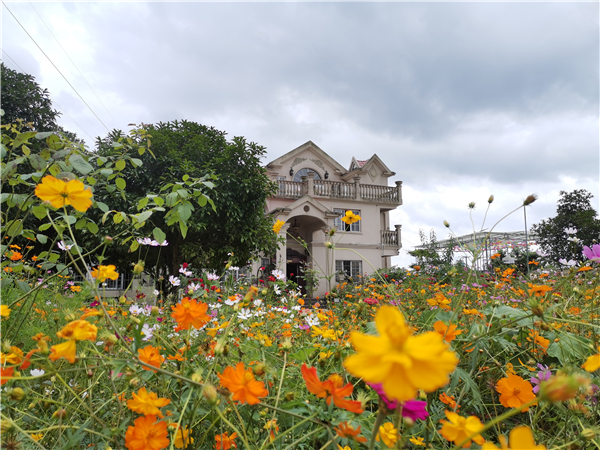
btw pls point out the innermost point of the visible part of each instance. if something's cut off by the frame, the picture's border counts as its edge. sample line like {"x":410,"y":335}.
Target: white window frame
{"x":347,"y":269}
{"x":343,"y":226}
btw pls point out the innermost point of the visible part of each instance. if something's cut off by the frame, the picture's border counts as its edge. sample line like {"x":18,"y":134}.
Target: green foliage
{"x":574,"y":210}
{"x":236,"y":223}
{"x":430,"y":257}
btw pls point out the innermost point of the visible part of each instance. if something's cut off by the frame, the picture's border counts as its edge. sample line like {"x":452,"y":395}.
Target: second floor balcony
{"x":341,"y":190}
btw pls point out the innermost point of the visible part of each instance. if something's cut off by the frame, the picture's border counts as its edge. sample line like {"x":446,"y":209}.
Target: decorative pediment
{"x":307,"y":151}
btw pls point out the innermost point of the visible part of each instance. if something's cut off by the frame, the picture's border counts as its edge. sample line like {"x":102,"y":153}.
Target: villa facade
{"x":314,"y":192}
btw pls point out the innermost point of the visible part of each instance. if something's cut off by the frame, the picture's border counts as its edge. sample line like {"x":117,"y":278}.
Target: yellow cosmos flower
{"x":388,"y":434}
{"x":350,"y":218}
{"x":104,"y":272}
{"x":277,"y":226}
{"x":78,"y":330}
{"x":592,"y":363}
{"x":183,"y":438}
{"x":4,"y":311}
{"x":403,"y":363}
{"x":60,"y":193}
{"x":458,"y":428}
{"x":520,"y":438}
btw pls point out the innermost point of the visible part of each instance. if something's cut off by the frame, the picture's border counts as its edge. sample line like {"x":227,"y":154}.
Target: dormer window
{"x":304,"y":172}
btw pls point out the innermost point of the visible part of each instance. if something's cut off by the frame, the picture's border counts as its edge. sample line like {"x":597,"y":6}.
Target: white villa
{"x":314,"y":192}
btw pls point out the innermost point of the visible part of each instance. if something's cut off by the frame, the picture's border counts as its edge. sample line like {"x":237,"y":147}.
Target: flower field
{"x":480,"y":360}
{"x":404,"y":359}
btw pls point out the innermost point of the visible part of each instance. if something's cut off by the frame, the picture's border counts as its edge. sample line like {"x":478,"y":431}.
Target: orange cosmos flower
{"x":151,"y":356}
{"x":147,"y":403}
{"x":592,"y":363}
{"x":448,"y":333}
{"x":242,"y":384}
{"x":190,"y":312}
{"x":60,"y":193}
{"x":6,"y":374}
{"x":225,"y":442}
{"x":78,"y":330}
{"x":514,"y":391}
{"x":15,"y":256}
{"x":458,"y":428}
{"x":147,"y":434}
{"x":344,"y":430}
{"x":538,"y":340}
{"x":104,"y":272}
{"x":520,"y":438}
{"x":538,"y":290}
{"x":449,"y":400}
{"x":331,"y":389}
{"x":403,"y":363}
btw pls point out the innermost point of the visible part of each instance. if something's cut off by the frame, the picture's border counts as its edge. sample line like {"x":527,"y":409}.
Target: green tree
{"x":237,"y":228}
{"x":24,"y":99}
{"x":574,"y":210}
{"x":431,"y":257}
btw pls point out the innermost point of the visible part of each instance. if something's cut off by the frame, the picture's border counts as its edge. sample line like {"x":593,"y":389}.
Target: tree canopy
{"x":574,"y":210}
{"x":236,"y":229}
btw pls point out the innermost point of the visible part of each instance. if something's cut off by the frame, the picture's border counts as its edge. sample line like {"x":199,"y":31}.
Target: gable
{"x":307,"y":154}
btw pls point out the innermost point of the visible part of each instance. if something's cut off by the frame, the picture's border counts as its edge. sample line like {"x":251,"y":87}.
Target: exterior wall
{"x":307,"y":208}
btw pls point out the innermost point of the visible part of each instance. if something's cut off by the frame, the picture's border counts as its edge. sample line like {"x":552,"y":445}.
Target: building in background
{"x":314,"y":192}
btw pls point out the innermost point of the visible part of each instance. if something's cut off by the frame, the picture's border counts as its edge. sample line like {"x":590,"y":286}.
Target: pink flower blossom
{"x":593,"y":254}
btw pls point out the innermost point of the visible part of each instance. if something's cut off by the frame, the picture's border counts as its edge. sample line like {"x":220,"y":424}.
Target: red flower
{"x":331,"y":389}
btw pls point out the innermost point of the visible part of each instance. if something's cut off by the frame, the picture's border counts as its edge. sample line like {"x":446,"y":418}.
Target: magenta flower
{"x":544,"y":375}
{"x":593,"y":254}
{"x":370,"y":301}
{"x":413,"y":409}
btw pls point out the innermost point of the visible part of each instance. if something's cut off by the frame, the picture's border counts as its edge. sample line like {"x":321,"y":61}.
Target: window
{"x":342,"y":226}
{"x":304,"y":172}
{"x":347,"y":269}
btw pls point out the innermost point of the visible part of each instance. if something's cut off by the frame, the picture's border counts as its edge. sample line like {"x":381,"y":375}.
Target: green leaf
{"x":120,"y":164}
{"x":14,"y":228}
{"x":44,"y":135}
{"x":54,"y":142}
{"x":185,"y":212}
{"x":23,"y":138}
{"x":144,"y":216}
{"x":92,"y":227}
{"x":106,"y":172}
{"x":136,"y":162}
{"x":570,"y":348}
{"x":60,"y":154}
{"x":44,"y":226}
{"x":184,"y":229}
{"x":159,"y":236}
{"x":42,"y":238}
{"x":80,"y":164}
{"x":102,"y":206}
{"x":159,"y":201}
{"x":39,"y":211}
{"x":80,"y":224}
{"x":142,"y":203}
{"x":91,"y":181}
{"x":23,"y":286}
{"x":120,"y":182}
{"x":303,"y":354}
{"x":134,"y":246}
{"x":37,"y":162}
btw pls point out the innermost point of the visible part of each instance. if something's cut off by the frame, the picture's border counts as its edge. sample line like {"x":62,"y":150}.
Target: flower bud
{"x":446,"y":224}
{"x":134,"y":382}
{"x":210,"y":394}
{"x":287,"y":344}
{"x":219,"y":348}
{"x":155,"y":311}
{"x":259,"y":369}
{"x":138,"y":268}
{"x":122,"y":299}
{"x":472,"y":205}
{"x":587,"y":434}
{"x":17,"y":394}
{"x":289,"y":396}
{"x":264,"y":292}
{"x":5,"y":425}
{"x":60,"y":413}
{"x":227,"y":266}
{"x":530,"y":199}
{"x":562,"y":387}
{"x":108,"y":240}
{"x":491,"y":199}
{"x":70,"y":317}
{"x":408,"y":422}
{"x":197,"y":376}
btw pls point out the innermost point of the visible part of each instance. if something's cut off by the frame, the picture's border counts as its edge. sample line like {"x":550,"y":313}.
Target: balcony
{"x":341,"y":190}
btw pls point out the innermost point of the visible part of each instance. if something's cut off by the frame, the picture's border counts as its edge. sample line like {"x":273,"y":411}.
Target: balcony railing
{"x":340,"y":190}
{"x":389,"y":238}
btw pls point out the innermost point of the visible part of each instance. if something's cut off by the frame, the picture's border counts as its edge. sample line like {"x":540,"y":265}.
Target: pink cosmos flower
{"x":593,"y":254}
{"x":413,"y":409}
{"x":370,"y":301}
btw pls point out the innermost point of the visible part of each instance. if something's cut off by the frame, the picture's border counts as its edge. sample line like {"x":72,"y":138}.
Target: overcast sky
{"x":461,"y":100}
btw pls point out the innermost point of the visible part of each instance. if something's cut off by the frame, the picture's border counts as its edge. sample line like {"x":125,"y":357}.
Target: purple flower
{"x":593,"y":254}
{"x":544,"y":375}
{"x":413,"y":409}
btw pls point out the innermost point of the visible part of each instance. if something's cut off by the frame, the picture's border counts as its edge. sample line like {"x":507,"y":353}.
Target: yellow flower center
{"x":248,"y":377}
{"x":337,"y":380}
{"x":516,"y":391}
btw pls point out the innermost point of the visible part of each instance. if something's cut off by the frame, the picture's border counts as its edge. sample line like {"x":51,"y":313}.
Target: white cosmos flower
{"x":571,"y":230}
{"x":156,"y":292}
{"x":37,"y":372}
{"x":64,"y":247}
{"x":174,"y":280}
{"x":278,"y":274}
{"x":244,"y":314}
{"x":212,"y":277}
{"x":136,"y":309}
{"x":257,"y":302}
